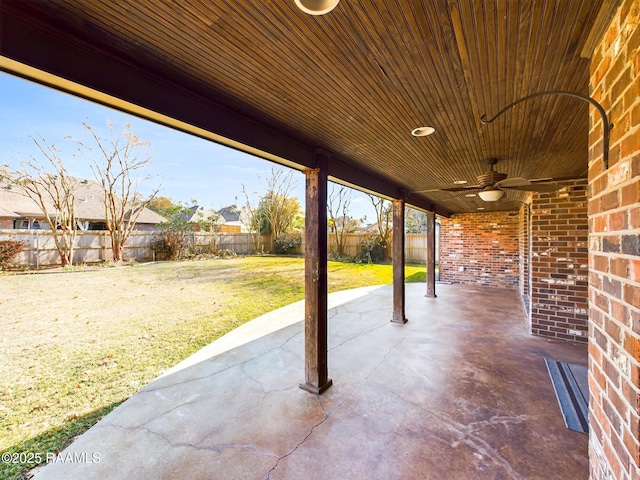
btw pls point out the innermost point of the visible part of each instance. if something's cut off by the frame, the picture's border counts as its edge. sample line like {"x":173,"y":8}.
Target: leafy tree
{"x":163,"y":206}
{"x":117,"y":171}
{"x":341,"y":223}
{"x":279,"y":212}
{"x":49,"y":185}
{"x":384,"y":219}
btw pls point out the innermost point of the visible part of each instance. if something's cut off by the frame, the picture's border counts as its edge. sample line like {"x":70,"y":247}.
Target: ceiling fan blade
{"x":461,"y":189}
{"x":452,"y":189}
{"x":540,"y":187}
{"x":513,"y":182}
{"x":558,"y":179}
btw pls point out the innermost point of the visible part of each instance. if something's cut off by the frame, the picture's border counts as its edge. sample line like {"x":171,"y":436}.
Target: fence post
{"x":37,"y":250}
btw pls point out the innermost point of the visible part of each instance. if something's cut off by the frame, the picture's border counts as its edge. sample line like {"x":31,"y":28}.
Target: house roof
{"x":4,"y":213}
{"x":230,"y":213}
{"x":15,"y":203}
{"x":268,"y":79}
{"x":197,"y":213}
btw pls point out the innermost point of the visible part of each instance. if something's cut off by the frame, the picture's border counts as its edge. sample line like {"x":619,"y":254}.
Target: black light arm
{"x":605,"y":122}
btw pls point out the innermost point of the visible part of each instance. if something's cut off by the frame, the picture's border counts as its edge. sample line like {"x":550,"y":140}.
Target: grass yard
{"x":77,"y":344}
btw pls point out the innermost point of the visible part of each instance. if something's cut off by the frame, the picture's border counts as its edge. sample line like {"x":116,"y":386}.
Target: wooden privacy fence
{"x":95,"y":246}
{"x":415,"y":246}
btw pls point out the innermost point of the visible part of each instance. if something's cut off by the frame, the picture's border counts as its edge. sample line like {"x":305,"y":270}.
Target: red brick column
{"x":614,"y":252}
{"x":559,"y":238}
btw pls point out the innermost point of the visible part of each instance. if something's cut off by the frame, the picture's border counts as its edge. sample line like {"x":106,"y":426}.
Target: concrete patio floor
{"x":459,"y":392}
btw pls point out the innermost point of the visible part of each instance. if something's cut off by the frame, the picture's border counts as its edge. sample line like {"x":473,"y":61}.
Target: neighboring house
{"x":372,"y":228}
{"x":199,"y":216}
{"x":353,"y":224}
{"x":226,"y":220}
{"x":18,"y":211}
{"x":231,"y":218}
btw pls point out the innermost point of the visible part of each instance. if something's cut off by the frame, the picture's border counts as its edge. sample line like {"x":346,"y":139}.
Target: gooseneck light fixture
{"x":605,"y":122}
{"x":316,"y":7}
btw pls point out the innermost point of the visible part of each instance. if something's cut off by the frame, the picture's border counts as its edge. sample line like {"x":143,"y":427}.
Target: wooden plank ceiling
{"x":355,"y":81}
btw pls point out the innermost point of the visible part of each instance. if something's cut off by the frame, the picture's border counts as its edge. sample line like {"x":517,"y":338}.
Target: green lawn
{"x":77,"y":344}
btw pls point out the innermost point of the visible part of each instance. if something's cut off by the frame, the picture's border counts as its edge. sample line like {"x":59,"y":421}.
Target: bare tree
{"x":338,"y":203}
{"x":49,"y":185}
{"x":278,"y":209}
{"x":4,"y":172}
{"x":384,"y":215}
{"x":251,"y":218}
{"x":415,"y":221}
{"x":118,"y":172}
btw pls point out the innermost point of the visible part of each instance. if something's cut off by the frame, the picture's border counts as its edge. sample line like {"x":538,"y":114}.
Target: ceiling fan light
{"x":316,"y":7}
{"x":491,"y":194}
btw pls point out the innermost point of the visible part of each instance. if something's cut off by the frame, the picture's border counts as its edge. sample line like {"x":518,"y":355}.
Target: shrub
{"x":334,"y":257}
{"x":169,"y":245}
{"x":371,"y":250}
{"x":226,"y":253}
{"x":9,"y":249}
{"x":288,"y":242}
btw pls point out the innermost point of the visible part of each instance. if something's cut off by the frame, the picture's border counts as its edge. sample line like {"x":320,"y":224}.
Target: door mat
{"x":572,"y":391}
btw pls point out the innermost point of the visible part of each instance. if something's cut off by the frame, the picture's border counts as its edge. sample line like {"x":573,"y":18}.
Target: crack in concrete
{"x":359,"y":335}
{"x":263,"y":389}
{"x":195,"y":446}
{"x":365,"y":378}
{"x":327,"y":414}
{"x":268,"y":476}
{"x":200,"y":399}
{"x":228,"y":367}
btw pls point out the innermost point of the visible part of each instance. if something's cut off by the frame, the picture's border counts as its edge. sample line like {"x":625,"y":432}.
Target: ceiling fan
{"x":493,"y":184}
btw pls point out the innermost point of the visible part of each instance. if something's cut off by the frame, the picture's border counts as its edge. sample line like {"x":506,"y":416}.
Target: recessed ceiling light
{"x":480,"y":208}
{"x":470,"y":195}
{"x":422,"y":131}
{"x":316,"y":7}
{"x":459,"y":182}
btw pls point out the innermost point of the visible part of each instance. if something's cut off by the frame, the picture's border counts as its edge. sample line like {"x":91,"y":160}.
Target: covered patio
{"x":460,"y":391}
{"x":468,"y":110}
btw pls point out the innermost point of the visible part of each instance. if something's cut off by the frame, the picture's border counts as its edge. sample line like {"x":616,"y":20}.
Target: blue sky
{"x":185,"y":166}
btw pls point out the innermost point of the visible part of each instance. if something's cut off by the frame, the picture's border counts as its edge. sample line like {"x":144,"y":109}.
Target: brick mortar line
{"x":609,"y":297}
{"x":628,"y":158}
{"x":633,"y":231}
{"x":625,"y":281}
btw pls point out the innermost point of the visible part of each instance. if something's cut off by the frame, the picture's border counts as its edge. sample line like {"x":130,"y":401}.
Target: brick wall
{"x":559,"y":275}
{"x":6,"y":223}
{"x":614,"y":253}
{"x":480,"y":248}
